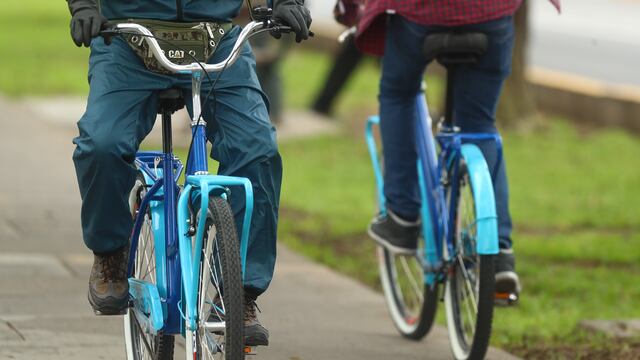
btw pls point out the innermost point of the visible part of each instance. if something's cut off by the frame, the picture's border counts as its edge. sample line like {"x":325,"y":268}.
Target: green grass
{"x":573,"y":200}
{"x":582,"y":181}
{"x":38,"y":56}
{"x":577,"y":238}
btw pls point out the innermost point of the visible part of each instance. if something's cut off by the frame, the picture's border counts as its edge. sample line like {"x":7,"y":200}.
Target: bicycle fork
{"x":200,"y":184}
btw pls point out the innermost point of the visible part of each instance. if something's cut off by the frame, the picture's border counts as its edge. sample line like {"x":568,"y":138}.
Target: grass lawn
{"x":577,"y":230}
{"x":574,"y":195}
{"x":38,"y":54}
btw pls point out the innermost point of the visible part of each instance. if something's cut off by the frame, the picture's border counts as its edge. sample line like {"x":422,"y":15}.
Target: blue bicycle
{"x":186,"y":262}
{"x":459,"y":224}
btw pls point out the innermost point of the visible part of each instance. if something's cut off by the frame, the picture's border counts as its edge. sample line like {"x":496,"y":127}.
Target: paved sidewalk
{"x":312,"y":312}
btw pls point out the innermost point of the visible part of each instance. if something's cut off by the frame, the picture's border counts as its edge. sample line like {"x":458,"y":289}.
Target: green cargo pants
{"x":121,"y":111}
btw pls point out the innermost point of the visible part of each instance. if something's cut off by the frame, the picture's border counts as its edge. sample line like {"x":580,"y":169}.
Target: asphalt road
{"x":598,"y":39}
{"x":312,"y":312}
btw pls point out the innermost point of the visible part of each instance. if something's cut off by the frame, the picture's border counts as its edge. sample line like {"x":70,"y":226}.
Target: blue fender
{"x":189,"y":257}
{"x":484,"y":198}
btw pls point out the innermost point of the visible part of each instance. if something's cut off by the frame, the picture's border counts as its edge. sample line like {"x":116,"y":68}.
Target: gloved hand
{"x":86,"y":21}
{"x":294,"y":14}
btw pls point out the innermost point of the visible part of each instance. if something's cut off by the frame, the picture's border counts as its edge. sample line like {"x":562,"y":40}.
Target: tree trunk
{"x":517,"y":104}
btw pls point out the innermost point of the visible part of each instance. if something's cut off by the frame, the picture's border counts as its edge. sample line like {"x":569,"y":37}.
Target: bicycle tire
{"x":161,"y":346}
{"x":221,"y":239}
{"x":412,"y":323}
{"x":469,"y":341}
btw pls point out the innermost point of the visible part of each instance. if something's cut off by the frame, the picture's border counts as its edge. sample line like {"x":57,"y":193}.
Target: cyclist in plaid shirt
{"x":395,"y":30}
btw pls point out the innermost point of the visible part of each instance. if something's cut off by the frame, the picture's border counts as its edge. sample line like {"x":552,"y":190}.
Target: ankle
{"x":109,"y":253}
{"x":404,"y":219}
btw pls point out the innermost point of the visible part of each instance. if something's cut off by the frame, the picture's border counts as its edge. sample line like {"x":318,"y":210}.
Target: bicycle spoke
{"x":463,"y":302}
{"x":151,"y":265}
{"x":466,"y":282}
{"x":412,"y":280}
{"x":144,"y":339}
{"x":211,"y":343}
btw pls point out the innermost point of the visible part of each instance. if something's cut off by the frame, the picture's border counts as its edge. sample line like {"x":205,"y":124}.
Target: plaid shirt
{"x":371,"y":27}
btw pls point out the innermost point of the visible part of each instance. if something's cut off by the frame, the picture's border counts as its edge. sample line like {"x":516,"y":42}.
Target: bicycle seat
{"x":455,"y":48}
{"x":170,"y":100}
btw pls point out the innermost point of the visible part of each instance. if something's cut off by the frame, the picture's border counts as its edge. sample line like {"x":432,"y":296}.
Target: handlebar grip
{"x":285,"y":29}
{"x":109,"y":32}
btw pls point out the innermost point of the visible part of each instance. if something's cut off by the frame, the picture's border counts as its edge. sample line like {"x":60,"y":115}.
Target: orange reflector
{"x":247,"y":350}
{"x":503,"y":296}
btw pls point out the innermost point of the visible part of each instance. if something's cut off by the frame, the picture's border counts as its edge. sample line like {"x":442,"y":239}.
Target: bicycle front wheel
{"x":220,"y":298}
{"x":139,"y":344}
{"x":469,"y":289}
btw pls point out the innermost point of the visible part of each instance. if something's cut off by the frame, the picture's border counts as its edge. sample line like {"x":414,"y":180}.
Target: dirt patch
{"x":614,"y":349}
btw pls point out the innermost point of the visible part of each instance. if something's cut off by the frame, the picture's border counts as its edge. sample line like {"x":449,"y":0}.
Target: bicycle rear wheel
{"x":139,"y":344}
{"x":220,"y":298}
{"x":411,"y":302}
{"x":469,"y":290}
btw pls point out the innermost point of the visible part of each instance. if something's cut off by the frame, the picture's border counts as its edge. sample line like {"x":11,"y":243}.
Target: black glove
{"x":86,"y":21}
{"x":294,"y":14}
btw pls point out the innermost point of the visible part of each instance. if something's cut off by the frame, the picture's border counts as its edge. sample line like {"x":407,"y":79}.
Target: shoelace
{"x":250,"y":308}
{"x":113,"y":266}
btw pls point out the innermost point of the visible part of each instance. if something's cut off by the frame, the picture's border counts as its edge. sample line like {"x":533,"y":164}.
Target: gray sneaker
{"x":108,"y":284}
{"x":508,"y":285}
{"x":254,"y":333}
{"x":395,"y":234}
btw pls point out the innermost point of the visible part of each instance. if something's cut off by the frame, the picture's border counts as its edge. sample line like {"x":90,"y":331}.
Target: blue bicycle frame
{"x":436,"y":171}
{"x":171,"y":303}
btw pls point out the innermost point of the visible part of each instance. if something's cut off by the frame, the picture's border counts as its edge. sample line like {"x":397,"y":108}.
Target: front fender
{"x":484,"y":199}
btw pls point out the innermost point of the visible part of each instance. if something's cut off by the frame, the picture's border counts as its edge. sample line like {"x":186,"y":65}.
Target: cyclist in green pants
{"x":121,"y":110}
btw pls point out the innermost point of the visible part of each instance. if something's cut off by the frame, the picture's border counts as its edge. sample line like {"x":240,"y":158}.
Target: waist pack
{"x":180,"y":42}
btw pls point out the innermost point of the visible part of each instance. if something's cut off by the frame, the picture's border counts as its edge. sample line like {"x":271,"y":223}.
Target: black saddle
{"x":455,"y":48}
{"x":170,"y":101}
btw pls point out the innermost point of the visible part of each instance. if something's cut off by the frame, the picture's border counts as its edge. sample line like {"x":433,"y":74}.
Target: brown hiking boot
{"x":254,"y":333}
{"x":108,"y":284}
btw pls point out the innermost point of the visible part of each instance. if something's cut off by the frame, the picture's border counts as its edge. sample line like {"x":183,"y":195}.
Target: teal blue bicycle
{"x":455,"y":261}
{"x":186,"y":261}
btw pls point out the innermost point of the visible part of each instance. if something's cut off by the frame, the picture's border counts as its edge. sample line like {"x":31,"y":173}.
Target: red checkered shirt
{"x":371,"y":27}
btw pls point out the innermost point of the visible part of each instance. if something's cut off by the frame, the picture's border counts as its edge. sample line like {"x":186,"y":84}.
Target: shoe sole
{"x":115,"y":307}
{"x":257,"y":339}
{"x":256,"y":335}
{"x":253,"y":341}
{"x":395,"y":250}
{"x":507,"y":282}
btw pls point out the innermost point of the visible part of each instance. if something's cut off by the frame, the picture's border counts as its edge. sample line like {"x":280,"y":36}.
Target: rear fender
{"x":484,"y":199}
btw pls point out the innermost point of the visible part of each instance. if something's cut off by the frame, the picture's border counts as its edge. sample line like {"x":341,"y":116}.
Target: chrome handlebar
{"x":195,"y":67}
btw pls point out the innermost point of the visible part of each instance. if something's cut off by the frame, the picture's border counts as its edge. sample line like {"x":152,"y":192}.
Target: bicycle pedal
{"x":248,"y":350}
{"x":506,"y":299}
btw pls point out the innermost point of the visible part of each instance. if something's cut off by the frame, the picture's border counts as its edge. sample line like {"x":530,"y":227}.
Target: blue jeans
{"x":121,"y":110}
{"x":476,"y":91}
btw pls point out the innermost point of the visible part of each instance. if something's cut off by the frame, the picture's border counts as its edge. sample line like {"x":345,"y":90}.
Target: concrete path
{"x":312,"y":312}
